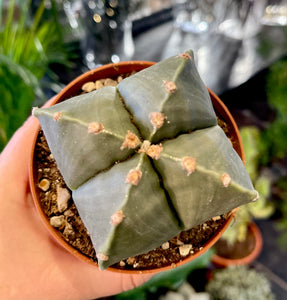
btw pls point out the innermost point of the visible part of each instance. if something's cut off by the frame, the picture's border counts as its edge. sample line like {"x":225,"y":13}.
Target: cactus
{"x":146,"y":159}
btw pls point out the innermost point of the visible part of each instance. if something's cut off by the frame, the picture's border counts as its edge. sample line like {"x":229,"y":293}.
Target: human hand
{"x":33,"y":265}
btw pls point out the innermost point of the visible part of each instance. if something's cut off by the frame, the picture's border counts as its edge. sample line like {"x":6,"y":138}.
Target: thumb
{"x":18,"y":150}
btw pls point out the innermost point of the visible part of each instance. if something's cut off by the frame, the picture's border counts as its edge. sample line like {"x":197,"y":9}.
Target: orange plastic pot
{"x":73,"y":89}
{"x":222,"y":262}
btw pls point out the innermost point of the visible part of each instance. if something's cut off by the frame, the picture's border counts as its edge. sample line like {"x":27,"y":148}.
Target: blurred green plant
{"x":274,"y":141}
{"x":274,"y":137}
{"x":240,"y":283}
{"x":27,"y":48}
{"x":281,"y":205}
{"x":262,"y":208}
{"x":262,"y":149}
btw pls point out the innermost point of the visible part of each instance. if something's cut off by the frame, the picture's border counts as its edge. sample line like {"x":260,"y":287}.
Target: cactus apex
{"x":131,"y":141}
{"x":144,"y":147}
{"x":34,"y":109}
{"x":154,"y":151}
{"x":189,"y":164}
{"x":226,"y":179}
{"x":157,"y":119}
{"x":170,"y":86}
{"x":95,"y":127}
{"x":185,"y":55}
{"x":57,"y":116}
{"x":134,"y":177}
{"x":117,"y":217}
{"x":102,"y":256}
{"x":257,"y":197}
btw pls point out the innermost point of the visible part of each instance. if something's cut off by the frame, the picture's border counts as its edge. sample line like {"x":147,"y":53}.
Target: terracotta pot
{"x":73,"y":89}
{"x":222,"y":262}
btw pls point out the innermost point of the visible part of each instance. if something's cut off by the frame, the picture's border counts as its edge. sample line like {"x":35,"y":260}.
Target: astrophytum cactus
{"x":145,"y":160}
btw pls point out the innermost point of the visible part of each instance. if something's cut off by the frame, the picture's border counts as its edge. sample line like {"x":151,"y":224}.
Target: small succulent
{"x":239,"y":282}
{"x":146,"y":159}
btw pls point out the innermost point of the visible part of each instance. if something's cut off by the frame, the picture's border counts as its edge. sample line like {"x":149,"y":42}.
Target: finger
{"x":67,"y":277}
{"x":133,"y":281}
{"x":15,"y":157}
{"x":14,"y":161}
{"x":88,"y":282}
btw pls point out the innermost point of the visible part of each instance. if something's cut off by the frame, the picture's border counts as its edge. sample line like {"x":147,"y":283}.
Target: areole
{"x":111,"y":71}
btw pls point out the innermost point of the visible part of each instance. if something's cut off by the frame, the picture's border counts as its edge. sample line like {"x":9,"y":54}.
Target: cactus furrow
{"x":146,"y":212}
{"x":145,"y":93}
{"x":213,"y":180}
{"x":80,"y":153}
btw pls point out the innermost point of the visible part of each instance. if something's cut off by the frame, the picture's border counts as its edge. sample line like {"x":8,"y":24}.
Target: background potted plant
{"x":242,"y":242}
{"x":239,"y":282}
{"x":156,"y":108}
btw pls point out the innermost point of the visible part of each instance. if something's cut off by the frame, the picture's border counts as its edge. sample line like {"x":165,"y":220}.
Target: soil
{"x":58,"y":205}
{"x":237,"y":250}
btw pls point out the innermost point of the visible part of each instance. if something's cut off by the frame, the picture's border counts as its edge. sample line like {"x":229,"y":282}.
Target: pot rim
{"x":115,"y":69}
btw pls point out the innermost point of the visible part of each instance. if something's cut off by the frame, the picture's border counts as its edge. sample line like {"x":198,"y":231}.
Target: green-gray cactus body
{"x":146,"y":159}
{"x":140,"y":212}
{"x":214,"y":179}
{"x":168,"y":88}
{"x":79,"y":151}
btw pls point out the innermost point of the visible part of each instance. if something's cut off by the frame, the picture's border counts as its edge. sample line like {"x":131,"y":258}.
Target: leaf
{"x":262,"y":209}
{"x":250,"y":136}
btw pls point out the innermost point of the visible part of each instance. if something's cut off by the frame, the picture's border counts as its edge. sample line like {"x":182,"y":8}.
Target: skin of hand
{"x":32,"y":264}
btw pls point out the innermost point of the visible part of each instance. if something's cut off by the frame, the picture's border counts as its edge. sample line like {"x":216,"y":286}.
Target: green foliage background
{"x":274,"y":138}
{"x":28,"y":46}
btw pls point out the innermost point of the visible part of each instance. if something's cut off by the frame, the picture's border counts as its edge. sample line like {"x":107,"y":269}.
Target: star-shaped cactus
{"x":145,"y":160}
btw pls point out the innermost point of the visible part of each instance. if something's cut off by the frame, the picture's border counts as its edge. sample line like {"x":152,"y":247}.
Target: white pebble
{"x":89,"y":86}
{"x":98,"y":84}
{"x":217,"y":218}
{"x":165,"y":246}
{"x":68,"y":230}
{"x":131,"y":260}
{"x":44,"y":184}
{"x":184,"y":250}
{"x":122,"y":263}
{"x":57,"y":221}
{"x":63,"y":197}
